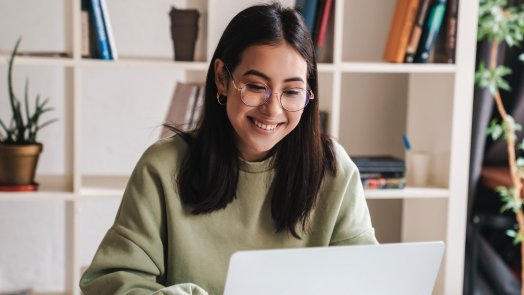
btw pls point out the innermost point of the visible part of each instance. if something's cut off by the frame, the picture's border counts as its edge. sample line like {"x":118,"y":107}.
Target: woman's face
{"x":259,"y":129}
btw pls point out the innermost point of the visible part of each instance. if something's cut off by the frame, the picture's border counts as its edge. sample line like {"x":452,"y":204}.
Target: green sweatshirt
{"x":157,"y":246}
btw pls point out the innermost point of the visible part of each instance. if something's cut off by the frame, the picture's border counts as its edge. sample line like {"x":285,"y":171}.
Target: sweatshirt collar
{"x":256,"y":167}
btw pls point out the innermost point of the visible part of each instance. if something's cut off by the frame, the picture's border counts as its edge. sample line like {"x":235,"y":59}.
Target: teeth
{"x":264,"y":126}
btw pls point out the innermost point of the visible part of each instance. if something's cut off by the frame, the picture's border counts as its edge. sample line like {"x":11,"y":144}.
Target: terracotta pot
{"x":18,"y":163}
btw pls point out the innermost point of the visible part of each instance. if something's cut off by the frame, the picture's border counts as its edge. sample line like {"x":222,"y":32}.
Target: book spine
{"x":399,"y":33}
{"x":416,"y":32}
{"x":431,"y":30}
{"x":84,"y":24}
{"x":367,"y":175}
{"x":197,"y":109}
{"x":309,"y":12}
{"x":188,"y":115}
{"x":451,"y":32}
{"x":384,"y":183}
{"x":109,"y":29}
{"x":324,"y":24}
{"x":98,"y":20}
{"x":318,"y":20}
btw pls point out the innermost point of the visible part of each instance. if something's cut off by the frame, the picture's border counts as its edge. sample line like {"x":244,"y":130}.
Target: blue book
{"x":101,"y":36}
{"x":308,"y":8}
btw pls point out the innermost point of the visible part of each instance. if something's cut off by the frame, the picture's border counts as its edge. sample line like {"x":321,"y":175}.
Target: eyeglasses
{"x":256,"y":94}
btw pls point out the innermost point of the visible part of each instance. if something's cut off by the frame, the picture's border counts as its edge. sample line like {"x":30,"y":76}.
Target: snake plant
{"x":24,"y":124}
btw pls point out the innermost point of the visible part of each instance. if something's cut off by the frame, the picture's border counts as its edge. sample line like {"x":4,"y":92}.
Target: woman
{"x":257,"y":173}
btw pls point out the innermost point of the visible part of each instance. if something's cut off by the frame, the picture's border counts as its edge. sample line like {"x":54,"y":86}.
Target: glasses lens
{"x":254,"y":94}
{"x":294,"y":99}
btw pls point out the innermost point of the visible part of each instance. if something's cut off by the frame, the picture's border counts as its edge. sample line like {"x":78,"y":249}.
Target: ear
{"x":220,"y":79}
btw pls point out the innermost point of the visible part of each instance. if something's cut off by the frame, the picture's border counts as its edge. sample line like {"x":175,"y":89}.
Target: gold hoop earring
{"x":220,"y":102}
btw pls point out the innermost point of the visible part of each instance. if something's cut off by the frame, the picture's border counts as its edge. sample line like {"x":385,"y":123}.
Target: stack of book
{"x":381,"y":172}
{"x":97,"y":35}
{"x":423,"y":31}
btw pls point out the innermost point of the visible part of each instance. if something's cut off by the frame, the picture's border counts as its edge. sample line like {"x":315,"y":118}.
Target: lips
{"x":267,"y":127}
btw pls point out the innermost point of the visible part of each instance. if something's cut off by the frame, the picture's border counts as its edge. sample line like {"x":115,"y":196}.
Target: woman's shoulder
{"x":345,"y":165}
{"x":165,"y":152}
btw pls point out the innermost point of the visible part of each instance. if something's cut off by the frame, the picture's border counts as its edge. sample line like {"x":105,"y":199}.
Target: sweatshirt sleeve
{"x":130,"y":258}
{"x":353,"y":224}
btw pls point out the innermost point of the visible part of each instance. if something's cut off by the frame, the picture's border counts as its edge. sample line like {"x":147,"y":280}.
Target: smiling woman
{"x":256,"y":172}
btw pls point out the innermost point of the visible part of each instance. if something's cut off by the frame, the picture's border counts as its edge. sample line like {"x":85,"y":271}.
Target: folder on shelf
{"x":182,"y":107}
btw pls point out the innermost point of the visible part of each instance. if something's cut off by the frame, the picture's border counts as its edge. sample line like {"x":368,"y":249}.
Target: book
{"x":323,"y":121}
{"x":431,"y":31}
{"x":400,"y":30}
{"x":181,"y":107}
{"x":85,"y":29}
{"x":416,"y":32}
{"x":365,"y":175}
{"x":109,"y":30}
{"x":379,"y":164}
{"x":384,"y":183}
{"x":308,"y":9}
{"x":318,"y":20}
{"x":101,"y":37}
{"x":451,"y":32}
{"x":197,"y":108}
{"x":324,"y":14}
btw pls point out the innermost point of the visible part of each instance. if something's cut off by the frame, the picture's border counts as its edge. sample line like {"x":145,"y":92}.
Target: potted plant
{"x":19,"y":149}
{"x":500,"y":22}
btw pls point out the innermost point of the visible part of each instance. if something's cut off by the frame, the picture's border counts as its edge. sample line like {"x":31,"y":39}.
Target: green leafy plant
{"x":499,"y":23}
{"x":24,"y":124}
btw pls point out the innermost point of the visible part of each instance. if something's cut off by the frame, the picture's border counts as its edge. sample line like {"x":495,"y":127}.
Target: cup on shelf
{"x":417,"y":168}
{"x":184,"y":32}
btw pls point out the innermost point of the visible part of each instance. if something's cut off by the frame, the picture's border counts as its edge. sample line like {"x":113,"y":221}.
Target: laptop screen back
{"x":406,"y":268}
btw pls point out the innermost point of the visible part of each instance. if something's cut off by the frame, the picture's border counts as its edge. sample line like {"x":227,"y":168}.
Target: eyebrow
{"x":265,"y":77}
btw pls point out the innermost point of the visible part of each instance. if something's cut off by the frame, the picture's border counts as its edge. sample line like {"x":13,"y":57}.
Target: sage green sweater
{"x":157,"y":246}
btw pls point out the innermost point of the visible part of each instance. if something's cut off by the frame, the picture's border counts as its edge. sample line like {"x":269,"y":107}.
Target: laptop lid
{"x":405,"y":268}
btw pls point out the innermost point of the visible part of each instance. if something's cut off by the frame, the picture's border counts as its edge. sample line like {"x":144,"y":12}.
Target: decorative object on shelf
{"x":184,"y":32}
{"x":19,"y":150}
{"x":498,"y":23}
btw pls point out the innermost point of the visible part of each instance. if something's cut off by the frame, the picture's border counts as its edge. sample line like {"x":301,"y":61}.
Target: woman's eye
{"x":256,"y":87}
{"x":293,"y":92}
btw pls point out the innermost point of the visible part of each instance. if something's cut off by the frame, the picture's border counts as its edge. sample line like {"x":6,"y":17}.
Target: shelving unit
{"x":370,"y":103}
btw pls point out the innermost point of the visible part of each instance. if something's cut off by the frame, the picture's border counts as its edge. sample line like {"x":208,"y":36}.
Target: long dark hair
{"x":208,"y":176}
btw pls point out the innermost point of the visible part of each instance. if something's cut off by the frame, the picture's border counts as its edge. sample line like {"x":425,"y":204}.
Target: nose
{"x":272,"y":105}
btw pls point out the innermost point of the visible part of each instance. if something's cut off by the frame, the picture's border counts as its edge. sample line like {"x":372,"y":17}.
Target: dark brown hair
{"x":208,"y":177}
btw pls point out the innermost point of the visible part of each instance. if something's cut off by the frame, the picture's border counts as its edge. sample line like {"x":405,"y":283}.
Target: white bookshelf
{"x":370,"y":103}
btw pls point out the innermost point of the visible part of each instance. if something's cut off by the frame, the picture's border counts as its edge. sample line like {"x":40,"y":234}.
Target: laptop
{"x":404,"y":268}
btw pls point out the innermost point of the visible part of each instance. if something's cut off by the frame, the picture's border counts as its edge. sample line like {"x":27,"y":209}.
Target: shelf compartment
{"x":103,"y":186}
{"x":409,"y":193}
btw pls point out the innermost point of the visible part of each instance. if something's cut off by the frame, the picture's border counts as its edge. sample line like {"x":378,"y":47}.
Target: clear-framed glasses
{"x":255,"y":94}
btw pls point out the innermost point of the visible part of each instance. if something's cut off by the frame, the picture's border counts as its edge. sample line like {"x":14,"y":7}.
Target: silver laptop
{"x":406,"y":268}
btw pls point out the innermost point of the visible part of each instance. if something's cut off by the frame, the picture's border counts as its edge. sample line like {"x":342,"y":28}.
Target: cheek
{"x":294,"y":119}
